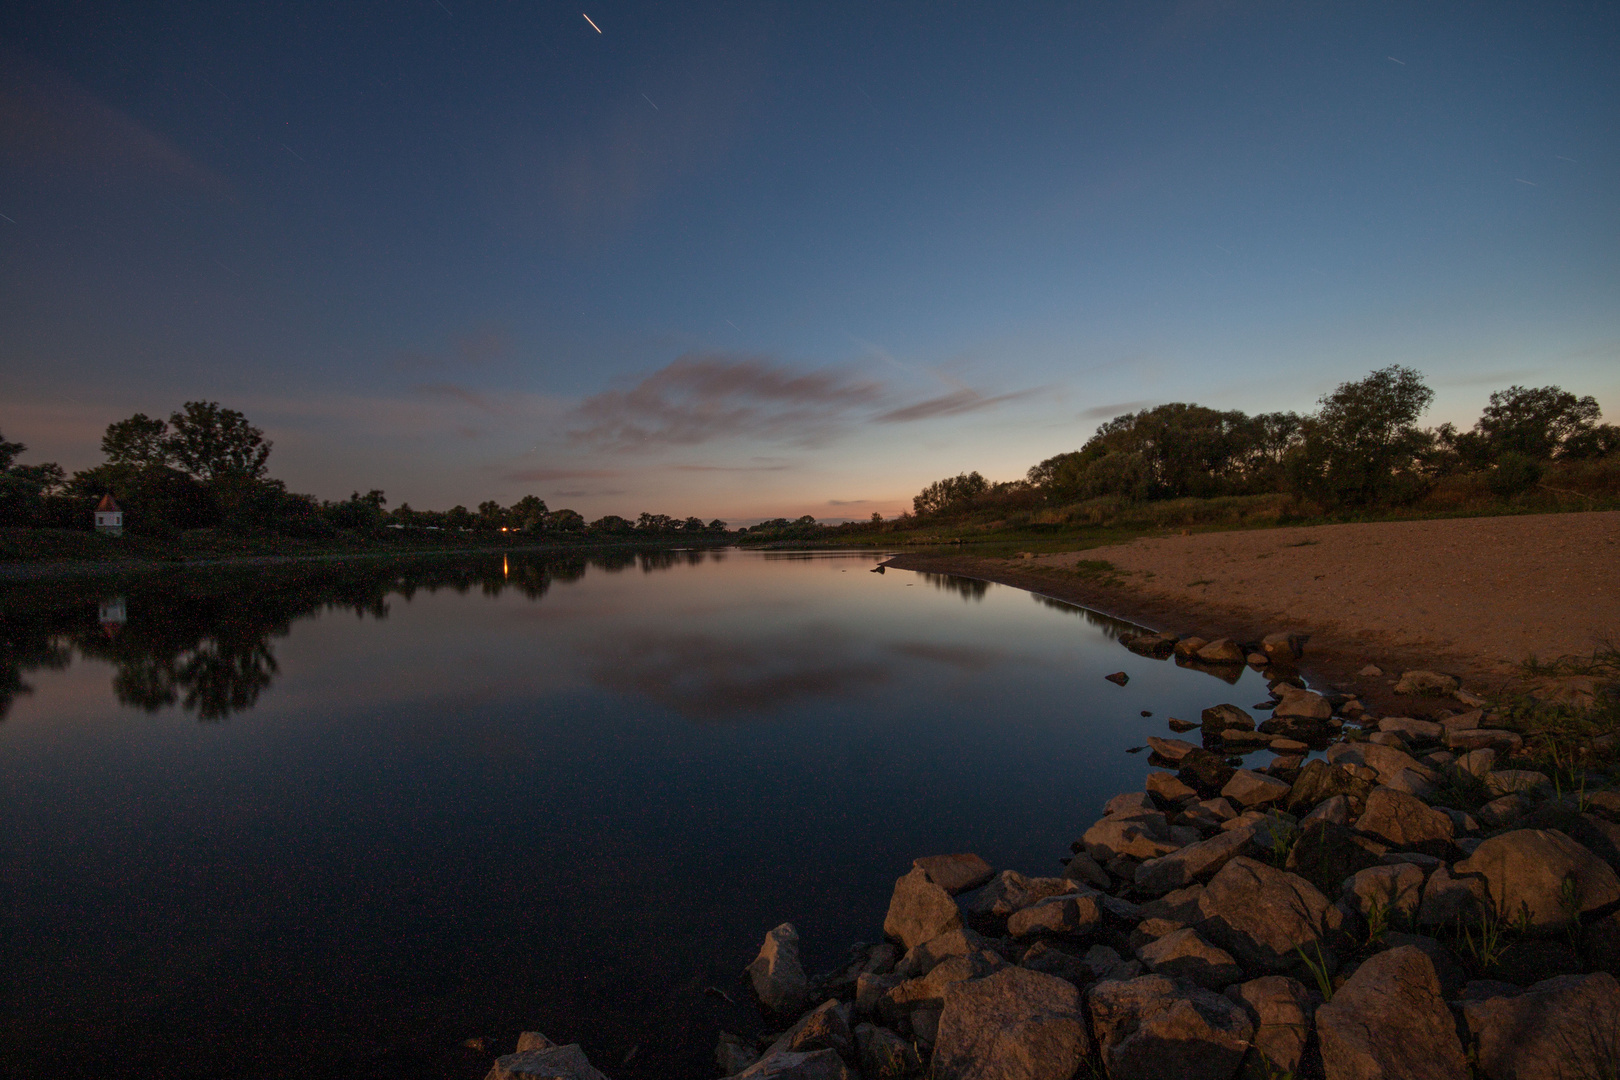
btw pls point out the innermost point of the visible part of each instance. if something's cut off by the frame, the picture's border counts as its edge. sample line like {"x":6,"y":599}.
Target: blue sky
{"x":756,"y":260}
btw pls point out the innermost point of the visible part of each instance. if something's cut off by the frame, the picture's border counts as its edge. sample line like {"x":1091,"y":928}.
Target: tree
{"x":458,"y":517}
{"x":211,"y":443}
{"x":952,"y":493}
{"x":566,"y":520}
{"x":1363,"y":444}
{"x":140,"y":440}
{"x":10,"y":452}
{"x":1537,"y":423}
{"x":610,"y":525}
{"x":490,"y":515}
{"x":717,"y":526}
{"x":528,"y":514}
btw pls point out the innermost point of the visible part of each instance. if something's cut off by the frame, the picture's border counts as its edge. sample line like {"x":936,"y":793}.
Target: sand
{"x":1476,"y":595}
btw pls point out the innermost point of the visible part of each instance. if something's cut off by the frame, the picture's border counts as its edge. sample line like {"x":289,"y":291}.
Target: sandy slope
{"x":1496,"y":589}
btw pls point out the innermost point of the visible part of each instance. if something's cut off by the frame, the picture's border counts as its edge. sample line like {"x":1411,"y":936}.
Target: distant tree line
{"x":1362,"y":447}
{"x":207,"y":467}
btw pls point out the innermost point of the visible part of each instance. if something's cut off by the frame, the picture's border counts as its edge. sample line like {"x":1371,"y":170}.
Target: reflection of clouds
{"x":705,"y":677}
{"x":967,"y":657}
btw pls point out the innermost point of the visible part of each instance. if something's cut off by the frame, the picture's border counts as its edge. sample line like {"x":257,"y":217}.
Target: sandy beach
{"x":1473,"y":595}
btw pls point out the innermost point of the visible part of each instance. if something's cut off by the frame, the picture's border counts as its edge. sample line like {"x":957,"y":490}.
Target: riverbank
{"x":1473,"y":596}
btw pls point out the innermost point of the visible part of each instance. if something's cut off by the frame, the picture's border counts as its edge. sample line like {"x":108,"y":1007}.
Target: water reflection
{"x":966,"y":588}
{"x":205,"y":641}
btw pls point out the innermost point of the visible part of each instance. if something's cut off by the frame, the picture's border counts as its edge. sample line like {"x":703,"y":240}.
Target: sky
{"x":758,"y":260}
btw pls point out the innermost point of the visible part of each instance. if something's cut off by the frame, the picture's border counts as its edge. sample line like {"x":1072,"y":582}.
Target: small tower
{"x":109,"y":519}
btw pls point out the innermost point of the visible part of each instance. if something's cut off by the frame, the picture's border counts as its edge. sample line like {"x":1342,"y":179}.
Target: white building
{"x":109,"y":519}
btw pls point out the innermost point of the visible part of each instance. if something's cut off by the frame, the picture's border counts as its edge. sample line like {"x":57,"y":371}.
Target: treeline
{"x":1362,"y":447}
{"x":207,"y":467}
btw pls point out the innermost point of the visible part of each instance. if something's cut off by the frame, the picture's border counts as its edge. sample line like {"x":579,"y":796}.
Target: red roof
{"x":106,"y":504}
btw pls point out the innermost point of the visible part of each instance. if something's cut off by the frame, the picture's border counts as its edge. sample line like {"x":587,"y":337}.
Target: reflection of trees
{"x":967,"y":588}
{"x":1111,"y":627}
{"x":204,"y":640}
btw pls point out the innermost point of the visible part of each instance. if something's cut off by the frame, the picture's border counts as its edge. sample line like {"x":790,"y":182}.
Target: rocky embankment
{"x":1387,"y":898}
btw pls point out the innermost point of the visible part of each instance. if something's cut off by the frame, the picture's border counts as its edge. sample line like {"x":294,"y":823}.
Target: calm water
{"x":338,"y":820}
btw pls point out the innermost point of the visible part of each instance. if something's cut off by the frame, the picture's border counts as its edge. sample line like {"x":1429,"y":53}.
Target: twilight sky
{"x":750,"y":260}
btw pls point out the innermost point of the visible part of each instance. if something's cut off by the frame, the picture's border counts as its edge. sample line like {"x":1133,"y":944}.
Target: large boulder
{"x":1326,"y":853}
{"x":1319,"y":781}
{"x":1541,"y":873}
{"x":1155,"y":1027}
{"x":549,"y":1063}
{"x":1396,"y":890}
{"x":776,"y":974}
{"x":1180,"y":868}
{"x":1283,"y":648}
{"x":1139,"y":836}
{"x":1205,"y":772}
{"x":1503,"y":742}
{"x":1388,"y":762}
{"x":1449,"y":896}
{"x":955,"y":873}
{"x":1389,"y":1022}
{"x":1264,"y":917}
{"x":1067,"y":914}
{"x":1249,"y":789}
{"x":1222,"y":651}
{"x":1563,"y":1027}
{"x":1217,"y":718}
{"x":1302,"y":705}
{"x":1014,"y":1025}
{"x":826,"y":1027}
{"x":920,"y":910}
{"x":1280,"y":1009}
{"x":928,"y":991}
{"x":1405,"y":821}
{"x":920,"y":959}
{"x":1170,"y":749}
{"x":1182,"y":954}
{"x":1009,"y":891}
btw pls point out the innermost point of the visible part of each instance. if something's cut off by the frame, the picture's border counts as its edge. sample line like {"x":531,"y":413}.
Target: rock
{"x":921,"y":959}
{"x":1388,"y":1022}
{"x":1257,"y":659}
{"x":1387,"y":761}
{"x":928,"y":991}
{"x":733,"y":1053}
{"x":1461,"y":822}
{"x":1426,"y":682}
{"x":1170,"y":749}
{"x":1248,"y":788}
{"x":1050,"y":960}
{"x":1606,"y":803}
{"x":1189,"y":646}
{"x":1325,"y":854}
{"x":1451,"y":975}
{"x":1303,"y":705}
{"x":1181,"y":867}
{"x":1477,"y":762}
{"x":552,"y":1063}
{"x":1164,"y":785}
{"x":871,"y":988}
{"x":1448,"y":897}
{"x":1126,"y":805}
{"x":1516,"y":782}
{"x":1236,"y":740}
{"x":533,"y":1040}
{"x":1217,"y":718}
{"x":1426,"y":731}
{"x":885,"y":1055}
{"x":1504,"y":811}
{"x":1320,"y":780}
{"x":1014,"y":1025}
{"x":1119,"y":678}
{"x":1336,"y":810}
{"x":1397,"y":890}
{"x":1371,"y":671}
{"x":1462,"y":721}
{"x":1065,"y":914}
{"x":1009,"y":890}
{"x":920,"y":910}
{"x":1222,"y":651}
{"x":956,"y":873}
{"x":1263,"y":916}
{"x":1155,"y":1027}
{"x":1207,"y":773}
{"x":1526,"y":870}
{"x":1481,"y":989}
{"x":825,"y":1027}
{"x":1282,"y":745}
{"x":1182,"y":954}
{"x":1402,"y":820}
{"x":1158,"y":646}
{"x":792,"y":1065}
{"x":1083,"y":869}
{"x":776,"y":975}
{"x":1503,"y":742}
{"x":1280,"y":1009}
{"x":1470,"y":699}
{"x":1283,"y":647}
{"x":925,"y":1025}
{"x":1563,"y":1027}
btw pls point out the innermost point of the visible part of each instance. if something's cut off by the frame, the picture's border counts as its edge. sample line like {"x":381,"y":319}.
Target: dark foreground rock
{"x":1563,"y":1027}
{"x":776,"y":974}
{"x":1389,"y":1022}
{"x":551,"y":1063}
{"x":1013,"y":1025}
{"x":1155,"y":1027}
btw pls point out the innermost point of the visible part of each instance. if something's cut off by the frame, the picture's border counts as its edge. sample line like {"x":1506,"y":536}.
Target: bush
{"x":1513,"y":474}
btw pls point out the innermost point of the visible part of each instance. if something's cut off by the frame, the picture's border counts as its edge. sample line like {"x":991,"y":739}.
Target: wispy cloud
{"x":702,"y":397}
{"x":953,"y":404}
{"x":1108,"y":412}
